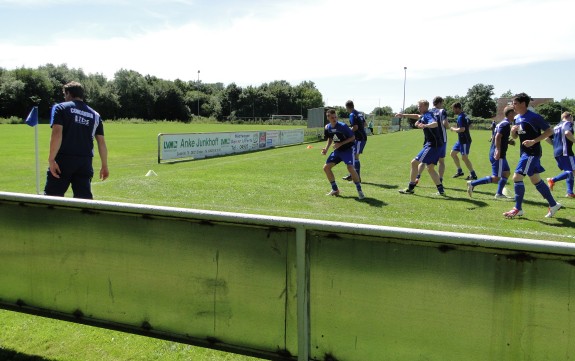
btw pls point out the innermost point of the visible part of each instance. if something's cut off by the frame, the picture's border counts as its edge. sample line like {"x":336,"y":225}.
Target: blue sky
{"x":350,"y":49}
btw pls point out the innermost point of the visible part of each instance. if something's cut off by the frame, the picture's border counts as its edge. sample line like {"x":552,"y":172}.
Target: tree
{"x":479,"y":101}
{"x":382,"y":111}
{"x":507,"y":94}
{"x":550,"y":111}
{"x":134,"y":94}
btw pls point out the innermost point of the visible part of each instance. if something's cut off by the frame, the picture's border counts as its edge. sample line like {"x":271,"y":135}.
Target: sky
{"x":354,"y":50}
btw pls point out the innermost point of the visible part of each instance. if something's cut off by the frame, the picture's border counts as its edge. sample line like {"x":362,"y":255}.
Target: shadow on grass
{"x":372,"y":202}
{"x":9,"y":355}
{"x":379,"y":185}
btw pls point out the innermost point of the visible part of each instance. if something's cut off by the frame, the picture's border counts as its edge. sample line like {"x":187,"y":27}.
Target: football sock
{"x":459,"y":170}
{"x":562,"y":176}
{"x":333,"y":185}
{"x":440,"y":188}
{"x":546,"y":193}
{"x":472,"y":173}
{"x":484,"y":180}
{"x":418,"y":176}
{"x":501,"y":184}
{"x":357,"y":166}
{"x":411,"y":186}
{"x":570,"y":182}
{"x":358,"y":186}
{"x":519,"y":193}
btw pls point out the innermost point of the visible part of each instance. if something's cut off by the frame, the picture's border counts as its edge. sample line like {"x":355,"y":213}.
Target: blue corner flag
{"x":32,"y":119}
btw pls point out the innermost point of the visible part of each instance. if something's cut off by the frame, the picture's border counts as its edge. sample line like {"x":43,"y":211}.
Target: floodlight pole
{"x":404,"y":81}
{"x":198,"y":94}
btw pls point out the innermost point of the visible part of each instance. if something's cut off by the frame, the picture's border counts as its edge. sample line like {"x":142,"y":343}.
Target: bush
{"x":11,"y":120}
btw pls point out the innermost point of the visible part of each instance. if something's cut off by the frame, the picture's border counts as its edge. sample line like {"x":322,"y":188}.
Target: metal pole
{"x":198,"y":94}
{"x":404,"y":80}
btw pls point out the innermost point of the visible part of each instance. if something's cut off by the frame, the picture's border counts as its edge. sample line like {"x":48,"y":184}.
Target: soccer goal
{"x":287,"y":117}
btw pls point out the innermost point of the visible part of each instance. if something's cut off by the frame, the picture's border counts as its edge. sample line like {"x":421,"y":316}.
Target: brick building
{"x":503,"y":102}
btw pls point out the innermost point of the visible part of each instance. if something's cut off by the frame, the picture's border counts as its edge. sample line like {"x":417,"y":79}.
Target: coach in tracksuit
{"x":74,"y":126}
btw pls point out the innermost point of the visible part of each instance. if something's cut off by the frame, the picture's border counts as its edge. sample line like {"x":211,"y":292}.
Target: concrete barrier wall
{"x":231,"y":281}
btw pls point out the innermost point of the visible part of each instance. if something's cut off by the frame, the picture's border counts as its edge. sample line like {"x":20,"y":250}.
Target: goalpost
{"x":287,"y":116}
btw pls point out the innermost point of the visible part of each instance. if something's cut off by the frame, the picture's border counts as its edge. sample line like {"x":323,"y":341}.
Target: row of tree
{"x":132,"y":95}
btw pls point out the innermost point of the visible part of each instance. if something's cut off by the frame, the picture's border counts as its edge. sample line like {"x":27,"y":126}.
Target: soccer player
{"x":342,"y":138}
{"x":429,"y":155}
{"x":497,"y":156}
{"x":357,"y":124}
{"x":463,"y":143}
{"x":74,"y":126}
{"x":441,"y":116}
{"x":562,"y":140}
{"x":531,"y":129}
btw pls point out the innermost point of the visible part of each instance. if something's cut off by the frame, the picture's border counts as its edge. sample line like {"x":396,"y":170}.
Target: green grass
{"x":288,"y":182}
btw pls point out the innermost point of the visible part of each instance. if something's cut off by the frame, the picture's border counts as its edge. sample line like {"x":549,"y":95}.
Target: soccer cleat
{"x":469,"y":189}
{"x":550,"y":183}
{"x":570,"y":195}
{"x":347,"y":177}
{"x":553,"y":210}
{"x":471,"y":177}
{"x":500,"y":196}
{"x":513,"y":213}
{"x":360,"y":195}
{"x":441,"y":194}
{"x":406,"y":191}
{"x":458,"y":174}
{"x":333,"y":193}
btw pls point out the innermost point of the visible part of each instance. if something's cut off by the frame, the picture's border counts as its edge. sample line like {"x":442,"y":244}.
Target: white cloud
{"x":324,"y":39}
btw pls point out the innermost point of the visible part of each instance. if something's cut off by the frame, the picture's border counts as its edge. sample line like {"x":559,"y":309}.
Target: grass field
{"x":283,"y":182}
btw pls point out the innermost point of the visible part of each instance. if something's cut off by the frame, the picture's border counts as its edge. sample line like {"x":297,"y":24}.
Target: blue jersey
{"x":464,"y":122}
{"x":440,"y":116}
{"x":531,"y":125}
{"x":561,"y":145}
{"x":339,"y":133}
{"x":503,"y":128}
{"x":80,"y":124}
{"x":357,"y":118}
{"x":433,"y":136}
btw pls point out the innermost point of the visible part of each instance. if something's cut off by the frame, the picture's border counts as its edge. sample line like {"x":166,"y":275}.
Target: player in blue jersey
{"x":357,"y":124}
{"x":441,"y":117}
{"x":342,"y":138}
{"x":562,"y":141}
{"x":463,"y":143}
{"x":531,"y":129}
{"x":430,"y":153}
{"x":74,"y":127}
{"x":500,"y":170}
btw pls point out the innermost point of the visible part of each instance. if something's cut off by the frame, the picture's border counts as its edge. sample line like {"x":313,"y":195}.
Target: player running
{"x":497,"y":156}
{"x":429,"y":155}
{"x":342,"y":138}
{"x":357,"y":124}
{"x":562,"y":141}
{"x":531,"y":129}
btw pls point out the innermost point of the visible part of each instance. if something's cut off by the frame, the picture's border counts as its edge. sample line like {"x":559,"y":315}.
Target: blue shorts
{"x":529,"y":165}
{"x":428,"y":155}
{"x":347,"y":156}
{"x":359,"y":145}
{"x":566,"y":162}
{"x":443,"y":150}
{"x":499,"y":166}
{"x":461,"y":148}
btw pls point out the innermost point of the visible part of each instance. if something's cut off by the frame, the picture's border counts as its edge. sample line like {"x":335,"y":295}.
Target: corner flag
{"x":32,"y":119}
